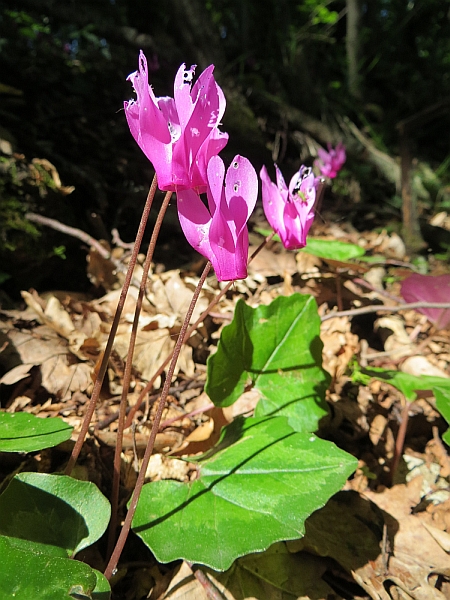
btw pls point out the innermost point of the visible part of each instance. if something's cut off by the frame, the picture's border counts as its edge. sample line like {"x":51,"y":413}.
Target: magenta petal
{"x":323,"y":155}
{"x":241,"y":190}
{"x":216,"y":174}
{"x":224,"y":260}
{"x":204,"y":115}
{"x":182,"y":93}
{"x":341,"y":156}
{"x":178,"y":135}
{"x":202,"y":83}
{"x":222,"y":103}
{"x":228,"y":233}
{"x":150,"y":116}
{"x":281,"y":184}
{"x":274,"y":201}
{"x":330,"y":163}
{"x":169,"y":110}
{"x":195,"y":221}
{"x":426,"y":288}
{"x":290,"y":211}
{"x":295,"y":236}
{"x":210,"y":148}
{"x":195,"y":132}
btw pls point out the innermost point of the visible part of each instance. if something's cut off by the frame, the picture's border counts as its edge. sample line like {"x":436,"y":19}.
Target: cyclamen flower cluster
{"x":181,"y":137}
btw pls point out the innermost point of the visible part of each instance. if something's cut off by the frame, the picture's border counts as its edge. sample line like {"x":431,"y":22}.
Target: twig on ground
{"x":400,"y":441}
{"x":372,"y":308}
{"x":116,"y":240}
{"x":363,"y":283}
{"x":193,"y":413}
{"x":211,"y":591}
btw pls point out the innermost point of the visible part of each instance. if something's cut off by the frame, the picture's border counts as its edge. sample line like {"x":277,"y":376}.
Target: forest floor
{"x":385,"y":536}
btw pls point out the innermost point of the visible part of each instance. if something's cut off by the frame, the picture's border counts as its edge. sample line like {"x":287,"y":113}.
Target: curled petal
{"x":145,"y":108}
{"x":210,"y":148}
{"x":228,"y":234}
{"x":274,"y":201}
{"x":216,"y":174}
{"x":182,"y":93}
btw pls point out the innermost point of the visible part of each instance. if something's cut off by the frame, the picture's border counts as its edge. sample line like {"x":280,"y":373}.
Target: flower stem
{"x":151,"y":442}
{"x":127,"y":374}
{"x":107,"y":353}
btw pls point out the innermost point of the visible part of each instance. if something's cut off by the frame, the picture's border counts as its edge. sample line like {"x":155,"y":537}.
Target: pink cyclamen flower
{"x":178,"y":135}
{"x":219,"y":232}
{"x":330,"y":163}
{"x":426,"y":288}
{"x":290,"y":210}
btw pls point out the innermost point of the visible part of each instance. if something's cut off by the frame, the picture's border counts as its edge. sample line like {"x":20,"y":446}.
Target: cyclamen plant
{"x":272,"y":471}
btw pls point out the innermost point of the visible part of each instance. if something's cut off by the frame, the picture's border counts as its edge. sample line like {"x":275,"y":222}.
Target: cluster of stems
{"x":115,"y":546}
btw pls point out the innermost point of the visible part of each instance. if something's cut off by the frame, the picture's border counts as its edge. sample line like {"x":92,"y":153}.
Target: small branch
{"x":363,"y":283}
{"x":115,"y":238}
{"x":86,"y":238}
{"x":364,"y":310}
{"x":210,"y":589}
{"x":400,"y":441}
{"x":72,"y":231}
{"x":193,"y":413}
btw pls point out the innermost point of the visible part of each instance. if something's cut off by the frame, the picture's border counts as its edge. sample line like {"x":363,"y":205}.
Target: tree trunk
{"x":352,"y":48}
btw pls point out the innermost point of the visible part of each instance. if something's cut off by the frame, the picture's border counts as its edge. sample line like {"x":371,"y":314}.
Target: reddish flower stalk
{"x":111,"y":567}
{"x":127,"y":374}
{"x":109,"y":344}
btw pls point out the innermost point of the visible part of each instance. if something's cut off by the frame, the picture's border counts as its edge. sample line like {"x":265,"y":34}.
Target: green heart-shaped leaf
{"x":257,"y":487}
{"x":333,"y":249}
{"x":277,"y":350}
